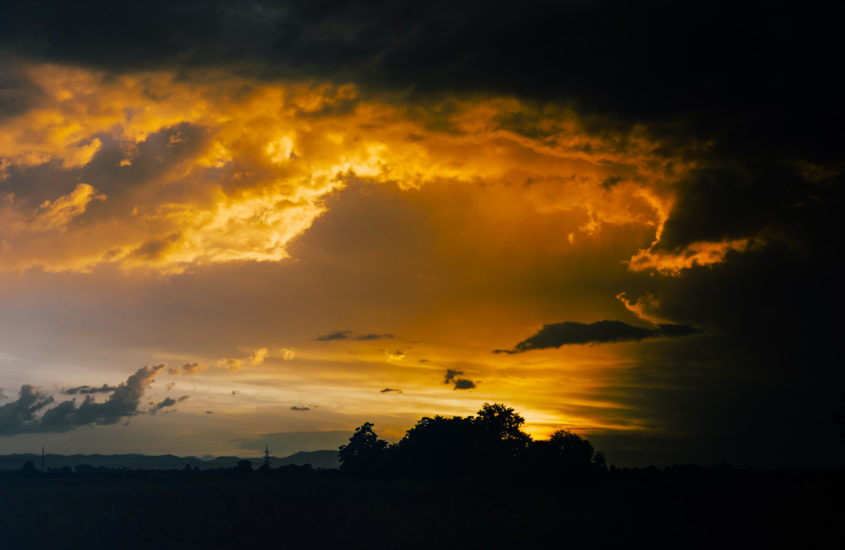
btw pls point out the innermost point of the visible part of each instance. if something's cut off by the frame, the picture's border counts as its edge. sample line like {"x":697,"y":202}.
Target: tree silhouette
{"x":364,"y":451}
{"x":571,"y":449}
{"x":440,"y":446}
{"x":490,"y":443}
{"x":503,"y":439}
{"x":503,"y":423}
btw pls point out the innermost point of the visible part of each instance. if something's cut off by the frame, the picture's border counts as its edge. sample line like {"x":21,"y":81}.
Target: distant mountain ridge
{"x":317,"y":459}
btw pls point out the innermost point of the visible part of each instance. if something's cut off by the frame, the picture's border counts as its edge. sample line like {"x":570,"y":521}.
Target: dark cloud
{"x":349,"y":335}
{"x":167,"y":402}
{"x":295,"y":408}
{"x":374,"y":336}
{"x":450,"y":375}
{"x":611,"y":182}
{"x":463,"y":384}
{"x":654,"y":59}
{"x":22,"y":415}
{"x":337,"y":335}
{"x":740,"y":105}
{"x":561,"y":334}
{"x":17,"y":93}
{"x":666,"y":329}
{"x":105,"y":388}
{"x":718,"y":398}
{"x":388,"y":390}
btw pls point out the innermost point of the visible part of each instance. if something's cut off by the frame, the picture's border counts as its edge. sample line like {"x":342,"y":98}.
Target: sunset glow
{"x":296,"y":245}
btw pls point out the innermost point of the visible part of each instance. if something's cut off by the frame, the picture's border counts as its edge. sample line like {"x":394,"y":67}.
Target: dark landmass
{"x":451,"y":482}
{"x":317,"y":459}
{"x":298,"y":507}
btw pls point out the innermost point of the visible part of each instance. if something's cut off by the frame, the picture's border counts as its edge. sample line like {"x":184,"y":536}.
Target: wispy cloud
{"x":601,"y":332}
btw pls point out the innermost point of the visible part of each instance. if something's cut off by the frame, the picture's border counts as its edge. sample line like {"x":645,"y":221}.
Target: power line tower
{"x":43,"y":460}
{"x":266,"y":455}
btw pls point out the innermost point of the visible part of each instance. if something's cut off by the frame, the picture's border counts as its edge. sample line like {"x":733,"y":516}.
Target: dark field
{"x":698,"y":508}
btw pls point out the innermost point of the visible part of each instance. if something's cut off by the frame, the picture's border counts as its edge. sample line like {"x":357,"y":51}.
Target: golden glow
{"x":252,"y":163}
{"x":700,"y":253}
{"x":518,"y":205}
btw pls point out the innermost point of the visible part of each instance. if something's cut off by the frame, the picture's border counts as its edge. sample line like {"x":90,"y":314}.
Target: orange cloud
{"x":645,"y":307}
{"x":696,"y":254}
{"x":243,"y":167}
{"x":257,"y":356}
{"x":56,"y":214}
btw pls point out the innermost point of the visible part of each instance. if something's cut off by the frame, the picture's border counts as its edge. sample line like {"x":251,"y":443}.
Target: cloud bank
{"x":35,"y":412}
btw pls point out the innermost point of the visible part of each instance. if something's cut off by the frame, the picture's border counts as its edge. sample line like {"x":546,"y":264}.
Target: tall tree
{"x":364,"y":451}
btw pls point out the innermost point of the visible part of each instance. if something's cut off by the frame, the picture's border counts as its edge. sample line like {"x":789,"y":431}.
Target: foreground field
{"x":180,"y":510}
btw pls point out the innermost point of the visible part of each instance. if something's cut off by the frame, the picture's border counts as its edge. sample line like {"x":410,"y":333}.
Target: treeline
{"x":243,"y":469}
{"x":490,"y":443}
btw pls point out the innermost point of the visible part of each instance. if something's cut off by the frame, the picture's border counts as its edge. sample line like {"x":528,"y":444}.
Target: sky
{"x":230,"y":224}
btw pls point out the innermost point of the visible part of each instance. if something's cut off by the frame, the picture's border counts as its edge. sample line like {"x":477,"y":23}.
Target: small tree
{"x":504,"y":439}
{"x":571,"y":449}
{"x":503,"y":423}
{"x":363,"y":452}
{"x":600,"y":461}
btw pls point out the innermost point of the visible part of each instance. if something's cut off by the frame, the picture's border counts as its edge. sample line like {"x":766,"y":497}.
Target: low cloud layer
{"x":556,"y":335}
{"x":34,"y":411}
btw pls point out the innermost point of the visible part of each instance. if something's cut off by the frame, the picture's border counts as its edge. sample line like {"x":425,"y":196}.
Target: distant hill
{"x":317,"y":459}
